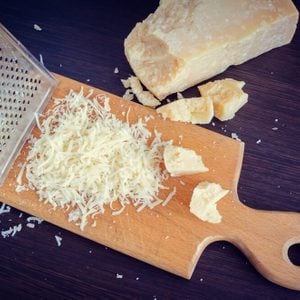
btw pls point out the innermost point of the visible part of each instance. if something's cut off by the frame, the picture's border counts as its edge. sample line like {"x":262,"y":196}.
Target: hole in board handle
{"x":294,"y":254}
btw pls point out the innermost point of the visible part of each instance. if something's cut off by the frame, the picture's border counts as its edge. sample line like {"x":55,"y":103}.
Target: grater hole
{"x":18,"y":87}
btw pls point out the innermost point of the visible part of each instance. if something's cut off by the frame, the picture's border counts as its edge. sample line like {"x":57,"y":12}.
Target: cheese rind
{"x":204,"y":201}
{"x":227,"y":97}
{"x":194,"y":110}
{"x":186,"y":42}
{"x":181,"y":161}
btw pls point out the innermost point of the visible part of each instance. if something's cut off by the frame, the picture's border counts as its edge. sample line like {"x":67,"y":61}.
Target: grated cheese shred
{"x":85,"y":158}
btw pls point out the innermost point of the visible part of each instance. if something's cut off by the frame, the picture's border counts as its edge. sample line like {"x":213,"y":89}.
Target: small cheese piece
{"x":194,"y":110}
{"x":181,"y":161}
{"x":204,"y":201}
{"x":227,"y":97}
{"x":128,"y":95}
{"x":186,"y":42}
{"x":144,"y":97}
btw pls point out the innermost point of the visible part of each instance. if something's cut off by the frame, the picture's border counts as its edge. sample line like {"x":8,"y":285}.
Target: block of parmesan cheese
{"x":186,"y":42}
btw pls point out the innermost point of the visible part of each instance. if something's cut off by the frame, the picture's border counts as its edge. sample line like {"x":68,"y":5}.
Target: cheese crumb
{"x":258,"y":141}
{"x":58,"y":240}
{"x":144,"y":97}
{"x":204,"y":201}
{"x":193,"y":110}
{"x":126,"y":83}
{"x":119,"y":276}
{"x":35,"y":219}
{"x":116,"y":70}
{"x":128,"y":95}
{"x":11,"y":231}
{"x":227,"y":97}
{"x":37,"y":27}
{"x":41,"y":59}
{"x":235,"y":136}
{"x":4,"y":209}
{"x":181,"y":161}
{"x":179,"y":96}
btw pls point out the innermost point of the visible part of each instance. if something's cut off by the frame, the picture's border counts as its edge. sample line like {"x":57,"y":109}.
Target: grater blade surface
{"x":25,"y":88}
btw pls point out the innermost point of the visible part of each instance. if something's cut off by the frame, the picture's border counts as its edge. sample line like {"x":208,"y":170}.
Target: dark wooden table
{"x":84,"y":41}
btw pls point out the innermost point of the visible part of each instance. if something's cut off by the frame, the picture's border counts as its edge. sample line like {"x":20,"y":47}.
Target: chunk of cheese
{"x":227,"y":97}
{"x":181,"y":161}
{"x":186,"y":42}
{"x":193,"y":110}
{"x":204,"y":201}
{"x":144,"y":97}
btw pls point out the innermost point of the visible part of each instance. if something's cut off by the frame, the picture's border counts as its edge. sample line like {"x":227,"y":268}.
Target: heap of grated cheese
{"x":86,"y":158}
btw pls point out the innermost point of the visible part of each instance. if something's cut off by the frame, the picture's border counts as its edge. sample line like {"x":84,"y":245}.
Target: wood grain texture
{"x":85,"y":41}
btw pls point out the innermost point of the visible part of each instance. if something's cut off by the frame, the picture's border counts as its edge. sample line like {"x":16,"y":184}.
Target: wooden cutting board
{"x":170,"y":237}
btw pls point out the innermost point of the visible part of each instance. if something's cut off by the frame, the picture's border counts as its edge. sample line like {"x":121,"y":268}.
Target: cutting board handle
{"x":265,"y":237}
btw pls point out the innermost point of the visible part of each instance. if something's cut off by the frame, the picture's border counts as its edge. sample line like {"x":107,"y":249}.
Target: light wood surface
{"x":170,"y":237}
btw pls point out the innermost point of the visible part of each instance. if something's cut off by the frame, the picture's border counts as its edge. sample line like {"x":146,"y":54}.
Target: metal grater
{"x":25,"y":87}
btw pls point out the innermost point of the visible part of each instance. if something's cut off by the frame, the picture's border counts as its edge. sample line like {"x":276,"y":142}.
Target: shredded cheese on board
{"x":86,"y":158}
